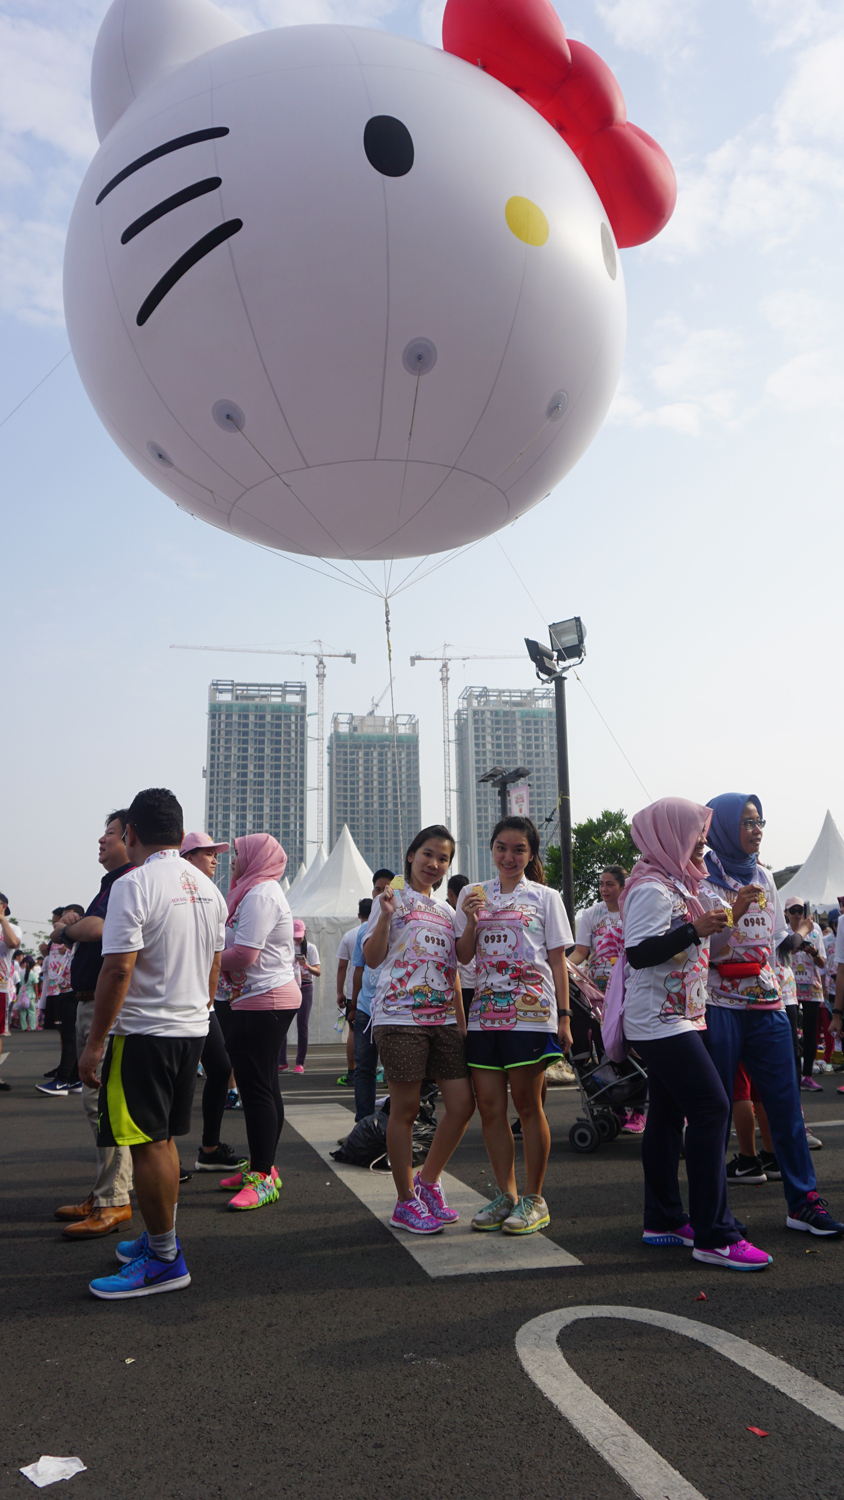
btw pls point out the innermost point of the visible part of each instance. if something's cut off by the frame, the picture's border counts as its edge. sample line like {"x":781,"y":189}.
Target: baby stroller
{"x":604,"y":1086}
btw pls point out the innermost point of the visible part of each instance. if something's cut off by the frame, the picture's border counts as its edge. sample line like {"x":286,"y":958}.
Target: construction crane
{"x":376,"y":702}
{"x":320,"y":655}
{"x":444,"y":660}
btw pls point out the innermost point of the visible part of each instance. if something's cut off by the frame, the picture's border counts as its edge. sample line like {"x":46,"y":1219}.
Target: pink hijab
{"x":260,"y":857}
{"x":666,"y":832}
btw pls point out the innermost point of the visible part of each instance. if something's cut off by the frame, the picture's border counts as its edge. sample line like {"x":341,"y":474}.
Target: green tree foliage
{"x":605,"y":840}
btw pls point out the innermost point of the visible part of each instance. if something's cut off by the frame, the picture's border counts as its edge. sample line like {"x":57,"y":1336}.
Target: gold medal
{"x":397,"y":882}
{"x":729,"y":916}
{"x":763,"y":901}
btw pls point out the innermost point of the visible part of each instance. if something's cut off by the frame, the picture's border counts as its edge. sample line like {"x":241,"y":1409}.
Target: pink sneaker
{"x":256,"y":1191}
{"x":415,"y":1217}
{"x":298,"y":1068}
{"x":683,"y":1236}
{"x":809,"y":1084}
{"x":229,"y":1184}
{"x":738,"y":1257}
{"x":635,"y":1123}
{"x":433,"y":1197}
{"x":284,"y":1067}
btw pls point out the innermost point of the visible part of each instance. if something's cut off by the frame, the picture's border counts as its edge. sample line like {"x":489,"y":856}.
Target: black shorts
{"x":498,"y":1051}
{"x":147,"y":1088}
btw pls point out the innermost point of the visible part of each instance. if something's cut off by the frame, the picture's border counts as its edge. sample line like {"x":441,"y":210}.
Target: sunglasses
{"x":794,"y":911}
{"x":749,"y":823}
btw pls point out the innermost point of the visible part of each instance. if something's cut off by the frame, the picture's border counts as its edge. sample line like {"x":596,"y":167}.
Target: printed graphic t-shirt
{"x":669,"y":997}
{"x":416,"y":983}
{"x":751,"y":940}
{"x":173,"y":917}
{"x":6,"y":986}
{"x":599,"y":930}
{"x":807,"y":977}
{"x":514,"y":986}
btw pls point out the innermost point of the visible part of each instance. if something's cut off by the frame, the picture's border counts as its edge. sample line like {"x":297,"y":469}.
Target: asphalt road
{"x":311,"y":1356}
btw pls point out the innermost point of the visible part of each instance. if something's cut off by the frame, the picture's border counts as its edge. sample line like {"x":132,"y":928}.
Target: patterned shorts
{"x":413,"y":1053}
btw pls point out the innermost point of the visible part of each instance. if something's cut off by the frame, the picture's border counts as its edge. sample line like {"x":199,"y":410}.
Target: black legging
{"x":215,"y":1061}
{"x":811,"y":1015}
{"x":68,"y":1069}
{"x":253,"y":1042}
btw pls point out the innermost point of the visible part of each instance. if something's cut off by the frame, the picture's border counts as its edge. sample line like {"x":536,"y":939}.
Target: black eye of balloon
{"x":388,"y":145}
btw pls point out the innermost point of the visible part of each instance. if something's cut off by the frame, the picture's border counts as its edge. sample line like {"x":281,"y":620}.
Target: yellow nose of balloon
{"x":527,"y":222}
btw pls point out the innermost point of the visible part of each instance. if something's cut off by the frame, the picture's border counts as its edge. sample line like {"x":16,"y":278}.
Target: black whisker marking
{"x":196,"y":252}
{"x":196,"y":190}
{"x":178,"y":144}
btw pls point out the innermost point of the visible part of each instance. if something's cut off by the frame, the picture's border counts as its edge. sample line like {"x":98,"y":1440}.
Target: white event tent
{"x":821,"y":879}
{"x":310,"y":876}
{"x":297,"y":878}
{"x":329,"y":908}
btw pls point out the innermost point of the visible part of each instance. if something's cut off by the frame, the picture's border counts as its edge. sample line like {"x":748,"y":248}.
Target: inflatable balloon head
{"x":347,"y":295}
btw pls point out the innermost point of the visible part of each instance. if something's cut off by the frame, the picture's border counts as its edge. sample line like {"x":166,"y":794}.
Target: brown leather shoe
{"x":76,"y":1210}
{"x":100,"y":1221}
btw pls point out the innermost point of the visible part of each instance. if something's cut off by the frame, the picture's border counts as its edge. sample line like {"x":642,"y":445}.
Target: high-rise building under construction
{"x":508,"y":728}
{"x":257,"y":766}
{"x":373,"y":785}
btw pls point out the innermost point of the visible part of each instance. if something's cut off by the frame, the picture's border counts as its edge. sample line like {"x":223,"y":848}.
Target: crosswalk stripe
{"x":459,"y":1250}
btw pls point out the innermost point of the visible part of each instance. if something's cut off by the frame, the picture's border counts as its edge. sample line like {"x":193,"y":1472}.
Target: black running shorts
{"x":147,"y":1088}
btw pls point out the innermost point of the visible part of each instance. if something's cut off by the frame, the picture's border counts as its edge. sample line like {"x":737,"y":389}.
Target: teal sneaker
{"x":143,"y":1277}
{"x":531,"y":1213}
{"x":493,"y":1216}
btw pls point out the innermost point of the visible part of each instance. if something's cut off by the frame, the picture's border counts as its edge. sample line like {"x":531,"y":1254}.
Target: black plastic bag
{"x":365,"y":1143}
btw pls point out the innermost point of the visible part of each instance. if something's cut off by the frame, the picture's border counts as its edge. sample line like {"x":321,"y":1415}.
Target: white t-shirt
{"x":346,"y":950}
{"x":416,"y":981}
{"x":831,"y":966}
{"x":753,"y":939}
{"x":6,"y":962}
{"x":173,"y":917}
{"x":56,"y":971}
{"x":669,"y":997}
{"x":303,"y":974}
{"x":514,"y":987}
{"x":599,"y":930}
{"x":263,"y":920}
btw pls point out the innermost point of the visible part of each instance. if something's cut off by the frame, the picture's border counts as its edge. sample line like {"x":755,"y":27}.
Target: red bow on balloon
{"x":522,"y":43}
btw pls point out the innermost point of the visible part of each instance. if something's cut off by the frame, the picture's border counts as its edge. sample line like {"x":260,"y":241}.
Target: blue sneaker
{"x":142,"y":1277}
{"x":129,"y":1250}
{"x":55,"y":1088}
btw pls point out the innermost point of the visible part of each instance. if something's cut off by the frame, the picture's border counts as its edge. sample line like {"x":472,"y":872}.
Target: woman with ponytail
{"x":516,"y":929}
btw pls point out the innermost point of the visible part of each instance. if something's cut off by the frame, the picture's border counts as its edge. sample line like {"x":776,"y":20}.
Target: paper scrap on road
{"x":701,"y":1297}
{"x":49,"y":1469}
{"x":459,"y":1250}
{"x":759,"y":1432}
{"x":128,"y":1361}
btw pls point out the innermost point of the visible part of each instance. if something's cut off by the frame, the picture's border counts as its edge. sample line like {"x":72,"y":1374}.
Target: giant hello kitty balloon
{"x":345,"y":294}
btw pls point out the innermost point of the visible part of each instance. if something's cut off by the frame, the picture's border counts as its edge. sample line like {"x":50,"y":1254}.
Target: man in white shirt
{"x":161,"y":943}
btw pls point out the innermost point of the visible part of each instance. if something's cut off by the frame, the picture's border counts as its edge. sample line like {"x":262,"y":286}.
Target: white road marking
{"x":648,"y":1475}
{"x":459,"y":1250}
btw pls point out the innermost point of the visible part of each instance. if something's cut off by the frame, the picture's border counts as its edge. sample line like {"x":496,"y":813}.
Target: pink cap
{"x":199,"y":841}
{"x":298,"y":929}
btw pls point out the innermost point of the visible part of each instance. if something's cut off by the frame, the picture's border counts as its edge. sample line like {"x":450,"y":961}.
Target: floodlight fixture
{"x":567,"y":638}
{"x":543,"y":658}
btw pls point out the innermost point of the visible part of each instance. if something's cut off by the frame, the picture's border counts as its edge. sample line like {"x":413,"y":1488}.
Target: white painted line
{"x":825,"y":1124}
{"x":648,"y":1474}
{"x":459,"y":1250}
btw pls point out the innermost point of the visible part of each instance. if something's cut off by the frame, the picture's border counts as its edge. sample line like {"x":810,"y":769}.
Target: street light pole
{"x":564,"y":793}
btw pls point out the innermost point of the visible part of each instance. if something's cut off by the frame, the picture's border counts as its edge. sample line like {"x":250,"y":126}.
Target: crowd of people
{"x":690,"y":957}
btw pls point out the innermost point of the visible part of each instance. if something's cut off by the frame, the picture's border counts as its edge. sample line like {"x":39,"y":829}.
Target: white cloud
{"x":44,"y":77}
{"x":697,"y":370}
{"x":31,"y":271}
{"x":799,"y":316}
{"x":798,"y":20}
{"x":810,"y":382}
{"x":649,"y":26}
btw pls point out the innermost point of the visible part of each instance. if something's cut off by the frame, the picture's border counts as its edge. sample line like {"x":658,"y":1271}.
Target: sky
{"x":698,"y":537}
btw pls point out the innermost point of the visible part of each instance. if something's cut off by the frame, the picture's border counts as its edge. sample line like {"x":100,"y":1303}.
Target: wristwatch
{"x":563,"y":1012}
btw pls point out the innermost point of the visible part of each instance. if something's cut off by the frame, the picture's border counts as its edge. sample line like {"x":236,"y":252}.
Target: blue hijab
{"x":724,"y":838}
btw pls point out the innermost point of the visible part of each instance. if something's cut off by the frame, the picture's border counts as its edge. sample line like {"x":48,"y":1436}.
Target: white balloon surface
{"x":333,"y":290}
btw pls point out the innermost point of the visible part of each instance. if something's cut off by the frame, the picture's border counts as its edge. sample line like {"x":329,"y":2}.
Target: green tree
{"x":596,"y":843}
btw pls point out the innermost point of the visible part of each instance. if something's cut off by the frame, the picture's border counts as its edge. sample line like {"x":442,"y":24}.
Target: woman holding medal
{"x":744,"y":1009}
{"x":418,"y":1025}
{"x":516,"y":929}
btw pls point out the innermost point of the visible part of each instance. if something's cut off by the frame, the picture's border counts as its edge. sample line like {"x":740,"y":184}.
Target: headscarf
{"x":260,"y":857}
{"x":725,"y":839}
{"x":666,"y":832}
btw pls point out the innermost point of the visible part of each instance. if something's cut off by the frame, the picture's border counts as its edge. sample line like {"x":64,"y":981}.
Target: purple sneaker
{"x":809,"y":1084}
{"x":414,"y":1216}
{"x":738,"y":1257}
{"x":685,"y":1235}
{"x":812,"y":1216}
{"x":433,"y":1197}
{"x":635,"y":1122}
